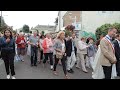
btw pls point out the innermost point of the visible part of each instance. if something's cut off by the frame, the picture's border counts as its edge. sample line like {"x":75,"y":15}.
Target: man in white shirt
{"x":82,"y":51}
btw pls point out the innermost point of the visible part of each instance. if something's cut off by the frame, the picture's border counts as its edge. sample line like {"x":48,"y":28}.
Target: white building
{"x":45,"y":28}
{"x":60,"y":20}
{"x":91,"y":20}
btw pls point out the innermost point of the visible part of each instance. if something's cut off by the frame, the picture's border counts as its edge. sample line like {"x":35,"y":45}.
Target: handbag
{"x":59,"y":55}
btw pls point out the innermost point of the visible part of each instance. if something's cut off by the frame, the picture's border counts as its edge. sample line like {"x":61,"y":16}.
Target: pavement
{"x":25,"y":71}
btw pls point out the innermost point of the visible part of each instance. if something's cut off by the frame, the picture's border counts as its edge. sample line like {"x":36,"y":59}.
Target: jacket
{"x":107,"y":55}
{"x":7,"y":47}
{"x":117,"y":49}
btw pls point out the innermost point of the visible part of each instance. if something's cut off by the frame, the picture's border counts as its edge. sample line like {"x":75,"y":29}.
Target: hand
{"x":114,"y":62}
{"x":7,"y":40}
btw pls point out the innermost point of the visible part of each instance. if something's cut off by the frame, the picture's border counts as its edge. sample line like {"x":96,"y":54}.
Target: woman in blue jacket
{"x":7,"y":44}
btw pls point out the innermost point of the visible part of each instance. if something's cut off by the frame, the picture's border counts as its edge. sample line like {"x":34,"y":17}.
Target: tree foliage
{"x":42,"y":32}
{"x":102,"y":30}
{"x":25,"y":29}
{"x":3,"y":25}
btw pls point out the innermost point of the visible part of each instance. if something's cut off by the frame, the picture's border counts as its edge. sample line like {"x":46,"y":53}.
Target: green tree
{"x":3,"y":25}
{"x":42,"y":32}
{"x":25,"y":29}
{"x":30,"y":32}
{"x":104,"y":29}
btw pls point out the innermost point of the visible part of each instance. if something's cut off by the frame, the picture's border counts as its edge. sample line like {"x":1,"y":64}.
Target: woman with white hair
{"x":21,"y":45}
{"x":60,"y":52}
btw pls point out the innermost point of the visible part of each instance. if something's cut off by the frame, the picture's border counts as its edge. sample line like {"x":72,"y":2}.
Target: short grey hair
{"x":111,"y":28}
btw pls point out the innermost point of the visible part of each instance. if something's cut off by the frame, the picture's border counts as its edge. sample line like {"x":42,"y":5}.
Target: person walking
{"x":107,"y":55}
{"x":91,"y":50}
{"x":117,"y":53}
{"x":40,"y":59}
{"x":34,"y":42}
{"x":48,"y":50}
{"x":82,"y":52}
{"x":60,"y":52}
{"x":21,"y":45}
{"x":70,"y":51}
{"x":7,"y":44}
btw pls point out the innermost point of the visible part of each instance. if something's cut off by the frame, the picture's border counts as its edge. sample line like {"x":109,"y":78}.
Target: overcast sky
{"x":32,"y":18}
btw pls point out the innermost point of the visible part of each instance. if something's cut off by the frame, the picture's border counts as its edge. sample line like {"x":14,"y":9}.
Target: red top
{"x":18,"y":42}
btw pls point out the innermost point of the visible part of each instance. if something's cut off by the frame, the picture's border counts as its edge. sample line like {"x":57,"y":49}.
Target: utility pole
{"x":1,"y":20}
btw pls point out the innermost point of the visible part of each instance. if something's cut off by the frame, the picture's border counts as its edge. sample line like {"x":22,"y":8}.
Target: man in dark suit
{"x":117,"y":52}
{"x":70,"y":51}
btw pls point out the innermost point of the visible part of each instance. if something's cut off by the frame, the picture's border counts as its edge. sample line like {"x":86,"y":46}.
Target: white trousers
{"x":89,"y":62}
{"x":82,"y":60}
{"x":71,"y":61}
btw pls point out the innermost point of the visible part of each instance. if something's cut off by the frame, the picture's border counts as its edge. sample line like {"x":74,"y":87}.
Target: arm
{"x":81,"y":46}
{"x":2,"y":42}
{"x":105,"y":52}
{"x":116,"y":47}
{"x":55,"y":46}
{"x":44,"y":45}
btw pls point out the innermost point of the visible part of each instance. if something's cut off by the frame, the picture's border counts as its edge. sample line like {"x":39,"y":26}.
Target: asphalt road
{"x":25,"y":71}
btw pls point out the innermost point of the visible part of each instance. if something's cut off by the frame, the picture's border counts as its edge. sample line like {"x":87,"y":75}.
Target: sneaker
{"x":35,"y":65}
{"x":51,"y":67}
{"x":55,"y":73}
{"x":13,"y":77}
{"x":22,"y":60}
{"x":8,"y":76}
{"x":77,"y":67}
{"x":72,"y":70}
{"x":69,"y":71}
{"x":66,"y":77}
{"x":32,"y":65}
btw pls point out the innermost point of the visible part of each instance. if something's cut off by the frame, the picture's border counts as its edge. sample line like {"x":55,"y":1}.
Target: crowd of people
{"x":67,"y":50}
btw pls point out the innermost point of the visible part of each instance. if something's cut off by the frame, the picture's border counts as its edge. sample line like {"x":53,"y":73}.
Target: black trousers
{"x":34,"y":53}
{"x":118,"y":67}
{"x":41,"y":54}
{"x":107,"y":71}
{"x":9,"y":63}
{"x":63,"y":61}
{"x":50,"y":55}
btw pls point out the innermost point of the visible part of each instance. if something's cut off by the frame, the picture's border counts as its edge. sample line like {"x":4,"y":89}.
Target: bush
{"x":104,"y":29}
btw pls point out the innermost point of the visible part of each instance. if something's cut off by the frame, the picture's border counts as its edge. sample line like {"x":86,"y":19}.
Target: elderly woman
{"x":60,"y":49}
{"x":21,"y":45}
{"x":82,"y":52}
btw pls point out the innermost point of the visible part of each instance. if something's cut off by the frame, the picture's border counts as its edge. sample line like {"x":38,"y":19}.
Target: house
{"x":59,"y":25}
{"x":87,"y":21}
{"x":91,"y":20}
{"x":45,"y":28}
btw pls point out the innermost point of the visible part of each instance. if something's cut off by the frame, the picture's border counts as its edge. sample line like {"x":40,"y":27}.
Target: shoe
{"x":72,"y":70}
{"x":66,"y":77}
{"x":13,"y":77}
{"x":69,"y":71}
{"x":22,"y":60}
{"x":35,"y":65}
{"x":77,"y":67}
{"x":85,"y":71}
{"x":8,"y":76}
{"x":55,"y":73}
{"x":51,"y":67}
{"x":31,"y":65}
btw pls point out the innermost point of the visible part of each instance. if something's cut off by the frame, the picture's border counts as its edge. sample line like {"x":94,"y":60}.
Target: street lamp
{"x":1,"y":20}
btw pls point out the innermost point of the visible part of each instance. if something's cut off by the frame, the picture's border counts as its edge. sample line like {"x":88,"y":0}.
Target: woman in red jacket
{"x":21,"y":46}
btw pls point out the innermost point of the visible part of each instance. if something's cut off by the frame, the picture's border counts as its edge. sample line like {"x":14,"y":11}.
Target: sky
{"x":32,"y":18}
